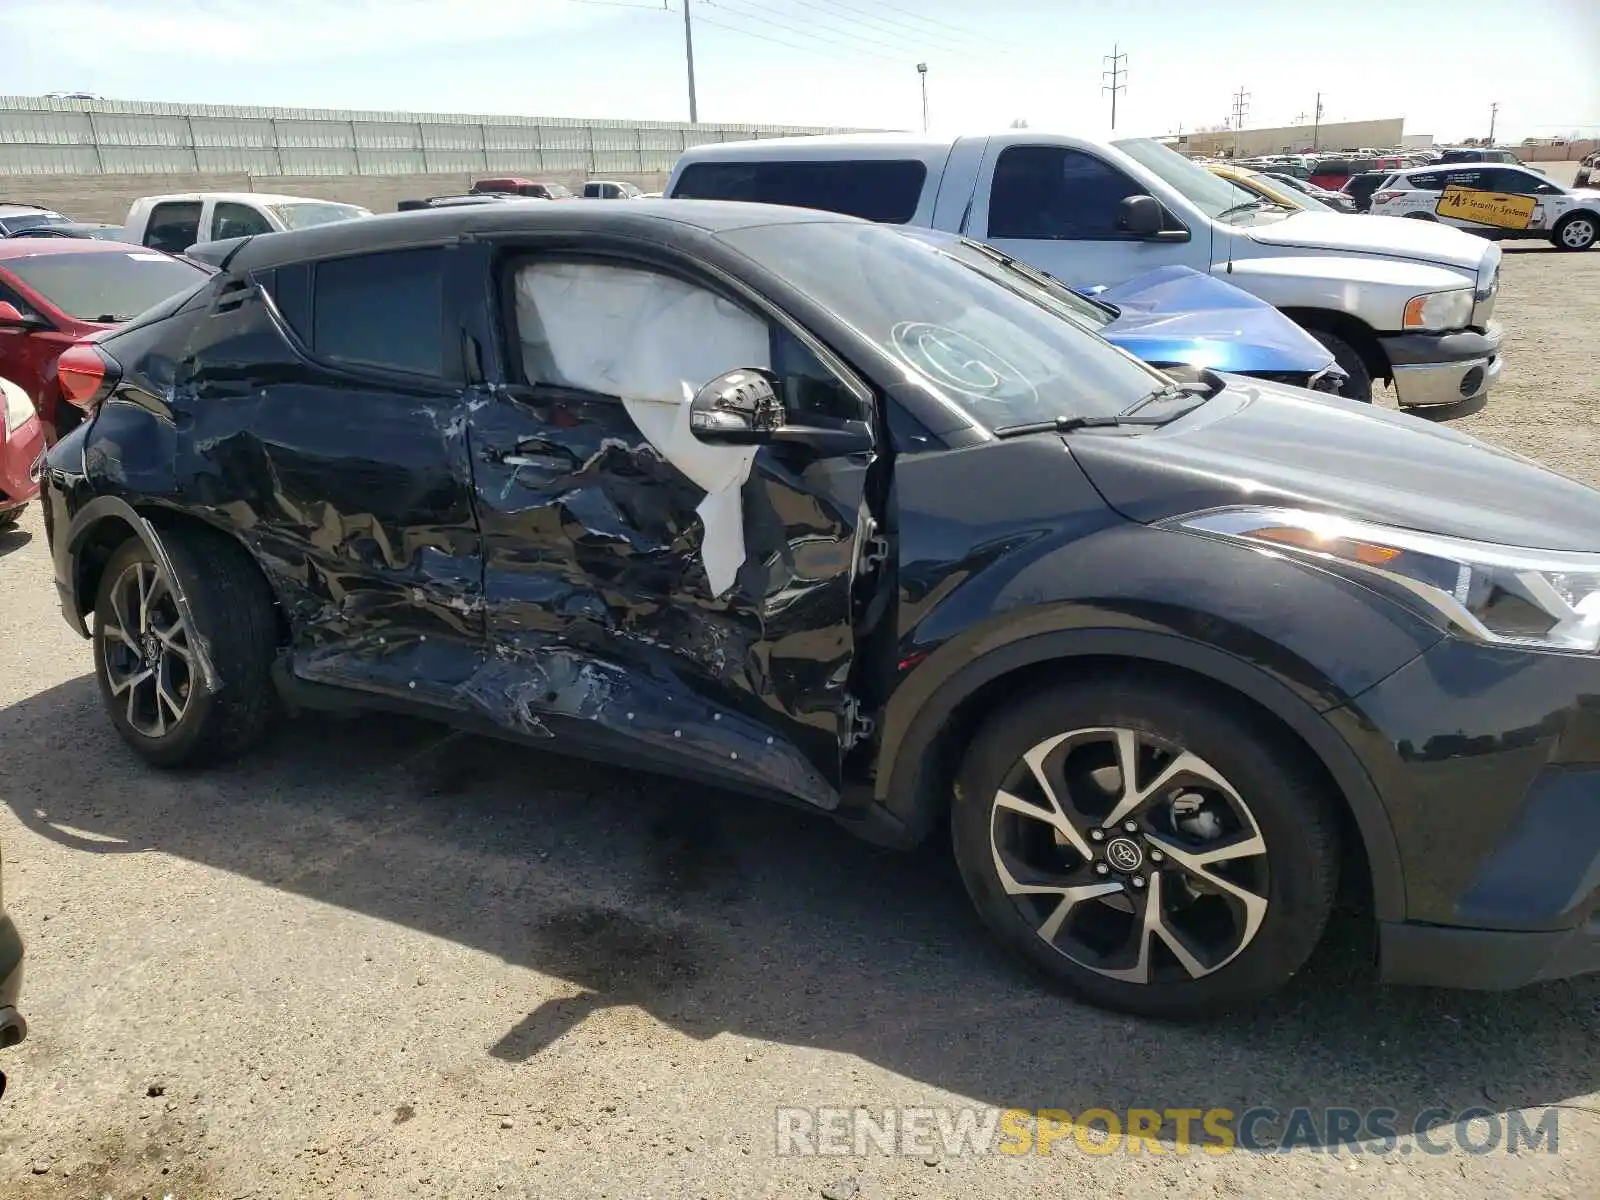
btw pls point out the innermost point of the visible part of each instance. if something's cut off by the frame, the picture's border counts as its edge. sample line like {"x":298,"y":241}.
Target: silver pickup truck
{"x":1406,"y":302}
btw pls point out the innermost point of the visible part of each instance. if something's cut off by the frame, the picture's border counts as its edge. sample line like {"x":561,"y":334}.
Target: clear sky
{"x":1438,"y":63}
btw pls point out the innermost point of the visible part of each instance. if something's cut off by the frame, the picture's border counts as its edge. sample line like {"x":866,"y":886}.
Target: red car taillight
{"x":1386,"y":196}
{"x":86,"y":375}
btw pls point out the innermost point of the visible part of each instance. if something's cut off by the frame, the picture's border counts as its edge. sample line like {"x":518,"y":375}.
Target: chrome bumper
{"x":1433,"y":369}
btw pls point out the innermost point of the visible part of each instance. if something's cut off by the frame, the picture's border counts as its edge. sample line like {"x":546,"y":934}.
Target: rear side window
{"x":174,"y":226}
{"x":1426,"y":183}
{"x":886,"y":191}
{"x":372,"y":310}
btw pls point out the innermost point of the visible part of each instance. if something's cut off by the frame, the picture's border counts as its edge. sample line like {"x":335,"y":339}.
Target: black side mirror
{"x":742,"y":408}
{"x":1144,"y":217}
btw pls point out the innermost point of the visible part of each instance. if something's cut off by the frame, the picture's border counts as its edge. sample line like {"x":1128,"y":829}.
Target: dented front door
{"x":684,"y":606}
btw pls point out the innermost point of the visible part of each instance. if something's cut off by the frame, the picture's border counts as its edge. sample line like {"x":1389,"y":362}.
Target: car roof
{"x":12,"y":208}
{"x":14,"y":248}
{"x":642,"y":218}
{"x":238,"y":198}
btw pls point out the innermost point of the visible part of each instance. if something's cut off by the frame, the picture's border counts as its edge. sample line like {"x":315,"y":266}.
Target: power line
{"x":1116,"y":58}
{"x":889,"y":25}
{"x":848,"y":33}
{"x":792,"y":29}
{"x":750,"y":33}
{"x":965,"y":33}
{"x":1241,"y":105}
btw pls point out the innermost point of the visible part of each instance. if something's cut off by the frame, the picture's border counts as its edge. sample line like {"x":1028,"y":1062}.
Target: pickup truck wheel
{"x":1577,"y":231}
{"x":1145,"y":844}
{"x":1358,"y":380}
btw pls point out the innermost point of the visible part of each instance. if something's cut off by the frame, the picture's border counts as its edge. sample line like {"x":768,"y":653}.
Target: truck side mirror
{"x":1141,"y":216}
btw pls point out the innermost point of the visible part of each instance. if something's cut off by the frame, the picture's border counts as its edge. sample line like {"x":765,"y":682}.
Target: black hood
{"x":1260,"y":444}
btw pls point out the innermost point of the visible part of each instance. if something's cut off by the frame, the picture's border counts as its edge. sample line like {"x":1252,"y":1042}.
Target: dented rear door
{"x":321,"y":415}
{"x":683,"y":606}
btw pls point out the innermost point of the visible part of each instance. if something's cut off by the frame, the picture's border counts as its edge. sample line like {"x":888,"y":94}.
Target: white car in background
{"x":175,"y":222}
{"x":1493,"y":200}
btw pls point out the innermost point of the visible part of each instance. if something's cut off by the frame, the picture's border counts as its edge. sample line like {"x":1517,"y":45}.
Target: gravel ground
{"x":382,"y":960}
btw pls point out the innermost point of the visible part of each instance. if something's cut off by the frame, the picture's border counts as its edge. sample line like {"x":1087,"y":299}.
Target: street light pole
{"x":688,"y":54}
{"x":922,"y":71}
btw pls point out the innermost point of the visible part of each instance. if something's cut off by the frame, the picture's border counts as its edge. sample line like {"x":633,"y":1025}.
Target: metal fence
{"x":41,"y":136}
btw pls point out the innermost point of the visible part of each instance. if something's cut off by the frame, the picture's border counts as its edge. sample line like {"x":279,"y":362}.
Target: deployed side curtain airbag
{"x":652,"y":341}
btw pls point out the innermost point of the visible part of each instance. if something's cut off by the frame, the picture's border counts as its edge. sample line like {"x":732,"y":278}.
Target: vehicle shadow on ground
{"x":714,"y":913}
{"x":13,"y":538}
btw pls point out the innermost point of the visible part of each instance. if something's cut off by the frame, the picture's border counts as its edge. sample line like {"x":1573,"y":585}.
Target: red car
{"x":54,"y":291}
{"x":21,"y":444}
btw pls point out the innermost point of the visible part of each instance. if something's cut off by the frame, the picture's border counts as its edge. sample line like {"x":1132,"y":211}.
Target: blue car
{"x":1174,"y":317}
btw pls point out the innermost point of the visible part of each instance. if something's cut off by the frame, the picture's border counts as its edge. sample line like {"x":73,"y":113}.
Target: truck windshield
{"x":316,"y":212}
{"x":1212,"y":195}
{"x":1004,"y":358}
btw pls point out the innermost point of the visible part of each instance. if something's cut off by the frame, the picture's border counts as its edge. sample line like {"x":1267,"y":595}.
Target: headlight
{"x":18,"y":407}
{"x":1440,"y":310}
{"x":1542,"y":599}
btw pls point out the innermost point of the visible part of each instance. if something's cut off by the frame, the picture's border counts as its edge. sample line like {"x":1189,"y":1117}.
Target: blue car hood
{"x":1178,"y":315}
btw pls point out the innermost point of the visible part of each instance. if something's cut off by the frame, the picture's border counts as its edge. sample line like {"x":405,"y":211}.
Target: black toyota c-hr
{"x":793,"y":504}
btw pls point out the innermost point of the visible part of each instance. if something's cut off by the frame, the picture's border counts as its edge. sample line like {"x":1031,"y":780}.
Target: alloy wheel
{"x":1578,"y":233}
{"x":148,"y":661}
{"x":1130,"y":856}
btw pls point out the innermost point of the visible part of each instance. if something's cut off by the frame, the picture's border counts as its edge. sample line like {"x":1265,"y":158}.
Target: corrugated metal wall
{"x":41,"y":136}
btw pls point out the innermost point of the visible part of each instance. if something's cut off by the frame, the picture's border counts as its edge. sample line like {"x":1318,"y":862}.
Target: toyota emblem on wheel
{"x":1124,"y":855}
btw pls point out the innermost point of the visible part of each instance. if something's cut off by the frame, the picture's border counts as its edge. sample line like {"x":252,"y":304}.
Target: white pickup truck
{"x":1408,"y":302}
{"x":176,"y":222}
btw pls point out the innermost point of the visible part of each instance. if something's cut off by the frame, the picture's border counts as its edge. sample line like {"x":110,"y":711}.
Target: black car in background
{"x":1360,"y":188}
{"x":14,"y":218}
{"x":792,"y":504}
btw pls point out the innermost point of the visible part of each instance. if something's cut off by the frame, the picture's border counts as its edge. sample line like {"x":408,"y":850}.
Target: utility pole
{"x":922,"y":71}
{"x":1117,"y":73}
{"x":1316,"y":127}
{"x":688,"y":55}
{"x":1494,"y":111}
{"x":1241,"y":105}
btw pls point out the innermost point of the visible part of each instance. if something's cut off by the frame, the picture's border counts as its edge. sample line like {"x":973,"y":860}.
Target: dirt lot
{"x":380,"y":960}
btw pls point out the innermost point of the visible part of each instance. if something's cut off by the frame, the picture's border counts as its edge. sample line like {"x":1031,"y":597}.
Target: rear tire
{"x":1575,"y":231}
{"x":10,"y":517}
{"x":147,"y":650}
{"x":1358,"y":380}
{"x":1248,"y":917}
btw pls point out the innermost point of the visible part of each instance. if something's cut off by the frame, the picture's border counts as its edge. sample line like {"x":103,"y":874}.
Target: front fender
{"x":1248,"y":622}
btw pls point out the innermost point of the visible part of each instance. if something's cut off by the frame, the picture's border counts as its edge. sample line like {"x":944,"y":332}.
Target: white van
{"x":1404,"y":301}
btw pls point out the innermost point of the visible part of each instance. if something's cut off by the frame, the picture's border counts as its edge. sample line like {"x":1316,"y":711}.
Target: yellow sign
{"x":1500,"y":209}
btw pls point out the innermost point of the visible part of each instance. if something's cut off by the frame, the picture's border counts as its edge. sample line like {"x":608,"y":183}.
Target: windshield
{"x":34,"y":220}
{"x":1031,"y":284}
{"x":107,"y":287}
{"x":1004,"y":358}
{"x":316,"y":212}
{"x":1207,"y":192}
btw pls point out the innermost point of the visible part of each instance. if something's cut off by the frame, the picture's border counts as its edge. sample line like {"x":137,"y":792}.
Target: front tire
{"x":1358,"y":379}
{"x":1147,"y":845}
{"x":1576,"y":231}
{"x":147,"y":649}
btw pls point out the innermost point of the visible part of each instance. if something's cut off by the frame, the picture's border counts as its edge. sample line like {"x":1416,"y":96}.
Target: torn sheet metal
{"x":653,"y":341}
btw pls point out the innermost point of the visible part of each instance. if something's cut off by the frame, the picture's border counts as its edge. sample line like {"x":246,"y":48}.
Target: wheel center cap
{"x":1124,"y":855}
{"x":150,"y":647}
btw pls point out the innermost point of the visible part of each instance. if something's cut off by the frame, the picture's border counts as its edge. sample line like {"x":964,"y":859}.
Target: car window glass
{"x":173,"y":226}
{"x":1052,"y":192}
{"x":381,"y":310}
{"x":14,"y":298}
{"x":885,"y":190}
{"x":1433,"y":182}
{"x":1465,"y":179}
{"x":640,"y":335}
{"x":232,"y":220}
